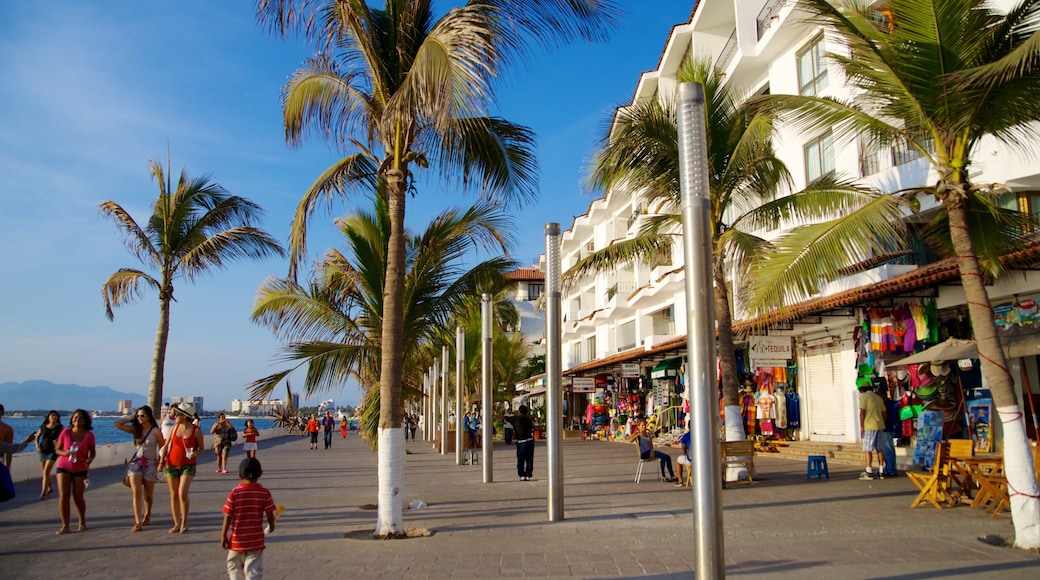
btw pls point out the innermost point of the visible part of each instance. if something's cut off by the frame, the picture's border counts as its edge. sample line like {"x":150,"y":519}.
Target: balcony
{"x":769,"y":14}
{"x":726,"y":56}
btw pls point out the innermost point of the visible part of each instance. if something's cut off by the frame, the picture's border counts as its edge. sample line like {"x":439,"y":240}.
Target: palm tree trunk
{"x":390,"y":522}
{"x":1018,"y":458}
{"x":729,"y":377}
{"x":162,"y":337}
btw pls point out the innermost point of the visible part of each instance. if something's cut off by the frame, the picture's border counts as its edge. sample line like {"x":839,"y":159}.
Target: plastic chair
{"x":639,"y":469}
{"x":817,"y":467}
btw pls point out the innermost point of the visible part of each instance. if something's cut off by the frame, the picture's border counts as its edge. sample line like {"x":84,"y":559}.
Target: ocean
{"x":105,"y":430}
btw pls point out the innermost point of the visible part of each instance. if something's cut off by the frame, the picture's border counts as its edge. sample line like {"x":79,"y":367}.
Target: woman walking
{"x":148,"y":439}
{"x":179,"y":461}
{"x":221,"y":431}
{"x":250,"y":433}
{"x":46,"y":450}
{"x":343,"y":427}
{"x":75,"y":451}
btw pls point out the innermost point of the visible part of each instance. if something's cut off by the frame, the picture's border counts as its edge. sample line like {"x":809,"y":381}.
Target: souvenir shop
{"x":654,"y":393}
{"x":769,"y":403}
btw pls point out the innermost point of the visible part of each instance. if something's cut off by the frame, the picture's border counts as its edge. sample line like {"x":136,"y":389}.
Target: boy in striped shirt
{"x":244,"y":518}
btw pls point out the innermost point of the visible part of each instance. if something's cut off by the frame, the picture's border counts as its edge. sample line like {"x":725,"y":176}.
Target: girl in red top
{"x":179,"y":461}
{"x":312,"y":427}
{"x":75,"y":449}
{"x":250,"y":433}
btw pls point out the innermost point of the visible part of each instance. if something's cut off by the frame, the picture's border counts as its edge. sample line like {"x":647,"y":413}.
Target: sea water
{"x":105,"y":430}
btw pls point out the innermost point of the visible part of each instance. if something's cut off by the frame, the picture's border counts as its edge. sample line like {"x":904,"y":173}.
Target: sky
{"x":92,"y":91}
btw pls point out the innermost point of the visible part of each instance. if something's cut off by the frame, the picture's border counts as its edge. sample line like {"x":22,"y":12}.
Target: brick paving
{"x":782,"y":527}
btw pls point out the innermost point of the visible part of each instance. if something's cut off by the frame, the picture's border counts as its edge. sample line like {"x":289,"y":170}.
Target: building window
{"x":870,"y":158}
{"x":819,"y":157}
{"x":576,"y":352}
{"x":812,"y":70}
{"x":534,"y":290}
{"x":627,"y":335}
{"x":590,"y":347}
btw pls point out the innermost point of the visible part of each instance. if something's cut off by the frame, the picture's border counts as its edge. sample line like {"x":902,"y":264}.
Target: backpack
{"x":6,"y":484}
{"x":232,"y":435}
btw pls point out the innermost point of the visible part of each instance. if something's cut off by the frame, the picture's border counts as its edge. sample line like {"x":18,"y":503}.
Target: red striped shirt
{"x":247,"y":504}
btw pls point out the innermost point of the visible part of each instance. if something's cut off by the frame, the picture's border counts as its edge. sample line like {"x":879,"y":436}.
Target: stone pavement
{"x":782,"y":527}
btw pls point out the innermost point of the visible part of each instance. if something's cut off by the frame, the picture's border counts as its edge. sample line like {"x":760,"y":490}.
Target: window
{"x":819,"y":157}
{"x":812,"y":70}
{"x":590,"y":347}
{"x":870,"y":158}
{"x":534,"y":290}
{"x":627,"y":335}
{"x":576,"y":352}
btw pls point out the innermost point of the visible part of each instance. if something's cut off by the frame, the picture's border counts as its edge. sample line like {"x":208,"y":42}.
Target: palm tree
{"x":639,"y":155}
{"x":939,"y":76}
{"x":193,"y":229}
{"x":399,"y":89}
{"x":333,"y":325}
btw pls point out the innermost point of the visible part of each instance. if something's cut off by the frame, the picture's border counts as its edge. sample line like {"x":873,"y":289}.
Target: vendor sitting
{"x":684,"y":459}
{"x":645,"y":441}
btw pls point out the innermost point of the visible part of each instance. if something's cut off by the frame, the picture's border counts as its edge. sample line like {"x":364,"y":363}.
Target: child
{"x":243,"y":517}
{"x":250,"y":433}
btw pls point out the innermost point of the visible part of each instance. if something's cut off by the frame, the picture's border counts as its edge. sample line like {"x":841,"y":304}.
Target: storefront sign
{"x":1020,"y":311}
{"x":629,"y":370}
{"x":769,"y":348}
{"x":583,"y":385}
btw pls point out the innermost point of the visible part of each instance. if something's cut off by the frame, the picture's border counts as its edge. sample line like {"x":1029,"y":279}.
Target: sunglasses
{"x":141,"y":415}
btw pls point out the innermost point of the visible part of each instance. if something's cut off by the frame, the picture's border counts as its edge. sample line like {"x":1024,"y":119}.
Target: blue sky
{"x":92,"y":90}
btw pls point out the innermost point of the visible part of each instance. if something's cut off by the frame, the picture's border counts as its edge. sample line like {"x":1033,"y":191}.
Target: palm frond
{"x":124,"y":286}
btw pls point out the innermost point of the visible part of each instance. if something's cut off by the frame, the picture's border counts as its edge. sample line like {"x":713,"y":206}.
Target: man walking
{"x":872,"y":424}
{"x":523,"y":428}
{"x":327,"y":425}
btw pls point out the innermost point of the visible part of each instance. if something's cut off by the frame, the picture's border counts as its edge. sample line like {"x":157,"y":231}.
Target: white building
{"x":635,"y":315}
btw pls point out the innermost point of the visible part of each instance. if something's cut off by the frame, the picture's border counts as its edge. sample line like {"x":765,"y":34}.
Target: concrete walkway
{"x":782,"y":527}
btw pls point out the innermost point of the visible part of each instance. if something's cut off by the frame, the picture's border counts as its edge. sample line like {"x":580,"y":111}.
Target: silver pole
{"x":444,"y":401}
{"x":460,"y":361}
{"x":426,"y":407}
{"x":485,"y":387}
{"x":709,"y":556}
{"x":553,"y":373}
{"x":435,"y":431}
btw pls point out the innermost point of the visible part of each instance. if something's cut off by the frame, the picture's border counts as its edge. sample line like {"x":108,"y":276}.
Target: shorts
{"x":72,"y":473}
{"x":52,"y":456}
{"x":683,"y":460}
{"x":146,"y":469}
{"x":222,"y":448}
{"x":175,"y":472}
{"x":870,"y":441}
{"x":247,"y":446}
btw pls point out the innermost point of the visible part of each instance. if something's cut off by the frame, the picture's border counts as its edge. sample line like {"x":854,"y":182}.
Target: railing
{"x":727,"y":54}
{"x":770,"y":12}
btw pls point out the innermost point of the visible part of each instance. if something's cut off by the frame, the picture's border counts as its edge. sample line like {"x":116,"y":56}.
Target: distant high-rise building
{"x":124,"y":406}
{"x":193,"y":401}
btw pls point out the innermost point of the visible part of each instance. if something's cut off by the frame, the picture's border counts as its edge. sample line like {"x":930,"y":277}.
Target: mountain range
{"x":35,"y":395}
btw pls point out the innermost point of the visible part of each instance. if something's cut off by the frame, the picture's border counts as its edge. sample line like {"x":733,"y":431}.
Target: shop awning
{"x":668,"y":368}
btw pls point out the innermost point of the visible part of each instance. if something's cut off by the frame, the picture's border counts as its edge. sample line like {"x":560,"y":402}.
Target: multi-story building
{"x":193,"y":401}
{"x":124,"y":406}
{"x":627,"y":327}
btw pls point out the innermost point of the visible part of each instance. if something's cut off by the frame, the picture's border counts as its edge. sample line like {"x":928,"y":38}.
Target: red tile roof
{"x":526,"y":273}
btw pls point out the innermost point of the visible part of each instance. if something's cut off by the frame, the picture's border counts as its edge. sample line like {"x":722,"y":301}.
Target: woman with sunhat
{"x":179,"y":461}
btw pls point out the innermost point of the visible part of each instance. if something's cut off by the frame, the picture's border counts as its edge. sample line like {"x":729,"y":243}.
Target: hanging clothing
{"x":781,"y":410}
{"x":794,"y":413}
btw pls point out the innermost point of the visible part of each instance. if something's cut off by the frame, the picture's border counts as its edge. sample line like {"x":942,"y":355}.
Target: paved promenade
{"x":782,"y":527}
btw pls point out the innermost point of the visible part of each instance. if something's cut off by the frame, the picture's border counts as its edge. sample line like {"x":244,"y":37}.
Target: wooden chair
{"x":934,"y":485}
{"x":739,"y":453}
{"x":962,"y":448}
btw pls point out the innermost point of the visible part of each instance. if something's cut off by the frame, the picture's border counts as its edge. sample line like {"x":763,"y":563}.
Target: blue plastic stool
{"x":817,"y":467}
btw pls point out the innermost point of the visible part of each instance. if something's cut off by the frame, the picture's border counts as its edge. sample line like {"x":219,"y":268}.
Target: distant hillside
{"x":32,"y":395}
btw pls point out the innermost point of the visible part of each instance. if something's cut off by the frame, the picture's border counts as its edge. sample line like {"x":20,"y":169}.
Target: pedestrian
{"x":75,"y":451}
{"x":312,"y":427}
{"x":6,"y":436}
{"x":523,"y":428}
{"x":221,"y":431}
{"x":684,"y":459}
{"x":412,"y":425}
{"x":871,"y":425}
{"x":343,"y":425}
{"x":46,"y":450}
{"x":242,"y":533}
{"x":507,"y":427}
{"x":144,"y":464}
{"x":327,"y":425}
{"x":179,"y":461}
{"x":644,"y":438}
{"x":250,"y":433}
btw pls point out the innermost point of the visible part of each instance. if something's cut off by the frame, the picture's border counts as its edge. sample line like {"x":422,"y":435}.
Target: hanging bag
{"x":126,"y":474}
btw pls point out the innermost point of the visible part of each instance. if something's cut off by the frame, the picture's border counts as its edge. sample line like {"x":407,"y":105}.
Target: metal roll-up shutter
{"x":822,"y":398}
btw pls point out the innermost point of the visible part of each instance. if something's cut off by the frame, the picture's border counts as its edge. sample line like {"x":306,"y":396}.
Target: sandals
{"x":81,"y":528}
{"x":62,"y":530}
{"x":136,"y":528}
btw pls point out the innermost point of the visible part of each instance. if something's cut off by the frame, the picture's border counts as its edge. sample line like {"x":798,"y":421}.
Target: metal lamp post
{"x":709,"y":554}
{"x":485,"y":386}
{"x":460,"y":360}
{"x":553,"y":372}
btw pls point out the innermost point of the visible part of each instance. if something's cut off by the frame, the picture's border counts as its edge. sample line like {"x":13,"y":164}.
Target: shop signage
{"x":583,"y":385}
{"x":1020,"y":311}
{"x":769,"y":348}
{"x":629,"y":370}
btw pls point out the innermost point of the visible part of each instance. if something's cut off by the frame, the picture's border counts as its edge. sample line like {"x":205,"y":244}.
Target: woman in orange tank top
{"x":179,"y":462}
